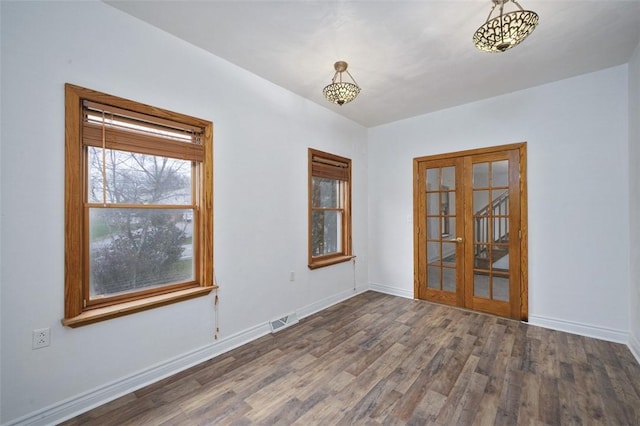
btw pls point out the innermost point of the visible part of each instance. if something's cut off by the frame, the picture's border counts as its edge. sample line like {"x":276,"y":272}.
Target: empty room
{"x":319,"y":212}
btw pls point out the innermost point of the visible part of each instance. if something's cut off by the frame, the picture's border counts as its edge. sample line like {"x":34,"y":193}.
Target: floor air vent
{"x":284,"y":322}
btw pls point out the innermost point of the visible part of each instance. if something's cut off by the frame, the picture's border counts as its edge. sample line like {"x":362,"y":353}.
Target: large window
{"x":139,"y":222}
{"x":329,"y":209}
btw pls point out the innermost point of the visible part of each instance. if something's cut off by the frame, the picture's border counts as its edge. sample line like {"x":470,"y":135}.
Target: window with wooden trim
{"x":139,"y":206}
{"x":329,"y":209}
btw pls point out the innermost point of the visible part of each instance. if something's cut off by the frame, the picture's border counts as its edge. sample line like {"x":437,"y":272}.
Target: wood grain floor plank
{"x":458,"y":393}
{"x":613,"y":410}
{"x":509,"y":403}
{"x":494,"y":364}
{"x":377,"y":359}
{"x":355,"y":391}
{"x":570,"y":411}
{"x":470,"y":400}
{"x":529,"y":397}
{"x":587,"y":395}
{"x":549,"y":401}
{"x":163,"y":413}
{"x":624,"y":392}
{"x":370,"y":403}
{"x":426,"y":411}
{"x":292,"y":410}
{"x":421,"y":385}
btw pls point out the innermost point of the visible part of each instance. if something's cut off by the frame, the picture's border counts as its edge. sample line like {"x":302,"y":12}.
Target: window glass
{"x":133,"y":178}
{"x":326,"y":232}
{"x":326,"y":193}
{"x":135,"y":249}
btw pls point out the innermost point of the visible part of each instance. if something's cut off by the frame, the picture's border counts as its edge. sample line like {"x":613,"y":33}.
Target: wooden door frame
{"x":524,"y":234}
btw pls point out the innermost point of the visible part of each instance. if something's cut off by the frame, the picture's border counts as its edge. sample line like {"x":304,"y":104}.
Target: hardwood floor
{"x":380,"y":359}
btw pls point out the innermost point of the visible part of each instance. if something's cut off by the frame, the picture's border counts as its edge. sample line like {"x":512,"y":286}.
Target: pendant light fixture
{"x":505,"y":30}
{"x":341,"y":92}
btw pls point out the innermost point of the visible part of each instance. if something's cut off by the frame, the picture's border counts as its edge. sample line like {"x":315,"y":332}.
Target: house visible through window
{"x":138,"y":207}
{"x":329,"y":209}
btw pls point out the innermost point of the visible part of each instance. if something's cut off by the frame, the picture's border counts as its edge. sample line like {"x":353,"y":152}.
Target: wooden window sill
{"x":101,"y":314}
{"x":331,"y":261}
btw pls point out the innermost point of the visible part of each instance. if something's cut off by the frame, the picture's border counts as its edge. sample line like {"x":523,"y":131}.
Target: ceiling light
{"x":506,"y":30}
{"x":341,"y":92}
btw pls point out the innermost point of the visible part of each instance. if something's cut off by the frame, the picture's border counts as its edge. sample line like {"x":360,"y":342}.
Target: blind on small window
{"x":329,"y":168}
{"x":120,"y":129}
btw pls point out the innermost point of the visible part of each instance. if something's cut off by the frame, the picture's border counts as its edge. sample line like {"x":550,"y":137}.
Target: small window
{"x":139,"y":191}
{"x":329,"y":209}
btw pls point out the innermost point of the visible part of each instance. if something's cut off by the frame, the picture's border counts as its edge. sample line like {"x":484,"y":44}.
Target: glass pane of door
{"x":441,"y":229}
{"x":491,"y":230}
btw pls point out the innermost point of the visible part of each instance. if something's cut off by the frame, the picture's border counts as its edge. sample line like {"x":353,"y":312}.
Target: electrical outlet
{"x":292,"y":276}
{"x":41,"y":338}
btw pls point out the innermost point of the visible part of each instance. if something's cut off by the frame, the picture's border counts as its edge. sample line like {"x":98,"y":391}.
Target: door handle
{"x":455,"y":240}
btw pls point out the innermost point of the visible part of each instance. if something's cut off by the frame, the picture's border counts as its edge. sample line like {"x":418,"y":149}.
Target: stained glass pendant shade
{"x":341,"y":92}
{"x":505,"y":30}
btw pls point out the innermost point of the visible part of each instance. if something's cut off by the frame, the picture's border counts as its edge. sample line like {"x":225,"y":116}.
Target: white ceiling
{"x":409,"y":57}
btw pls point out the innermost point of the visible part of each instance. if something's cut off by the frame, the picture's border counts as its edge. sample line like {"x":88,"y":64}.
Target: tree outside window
{"x":133,"y":249}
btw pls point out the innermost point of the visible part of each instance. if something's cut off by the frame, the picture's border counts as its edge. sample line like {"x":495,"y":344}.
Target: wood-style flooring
{"x":380,"y":359}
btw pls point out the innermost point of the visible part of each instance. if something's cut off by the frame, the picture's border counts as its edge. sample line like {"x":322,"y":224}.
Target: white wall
{"x":1,"y":210}
{"x":261,"y":136}
{"x":634,"y":200}
{"x":577,"y":137}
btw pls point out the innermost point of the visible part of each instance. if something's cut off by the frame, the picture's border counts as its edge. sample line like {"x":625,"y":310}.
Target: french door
{"x":470,"y":240}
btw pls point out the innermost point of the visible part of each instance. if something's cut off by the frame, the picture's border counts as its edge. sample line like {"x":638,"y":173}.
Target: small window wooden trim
{"x":331,"y":166}
{"x":76,"y":313}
